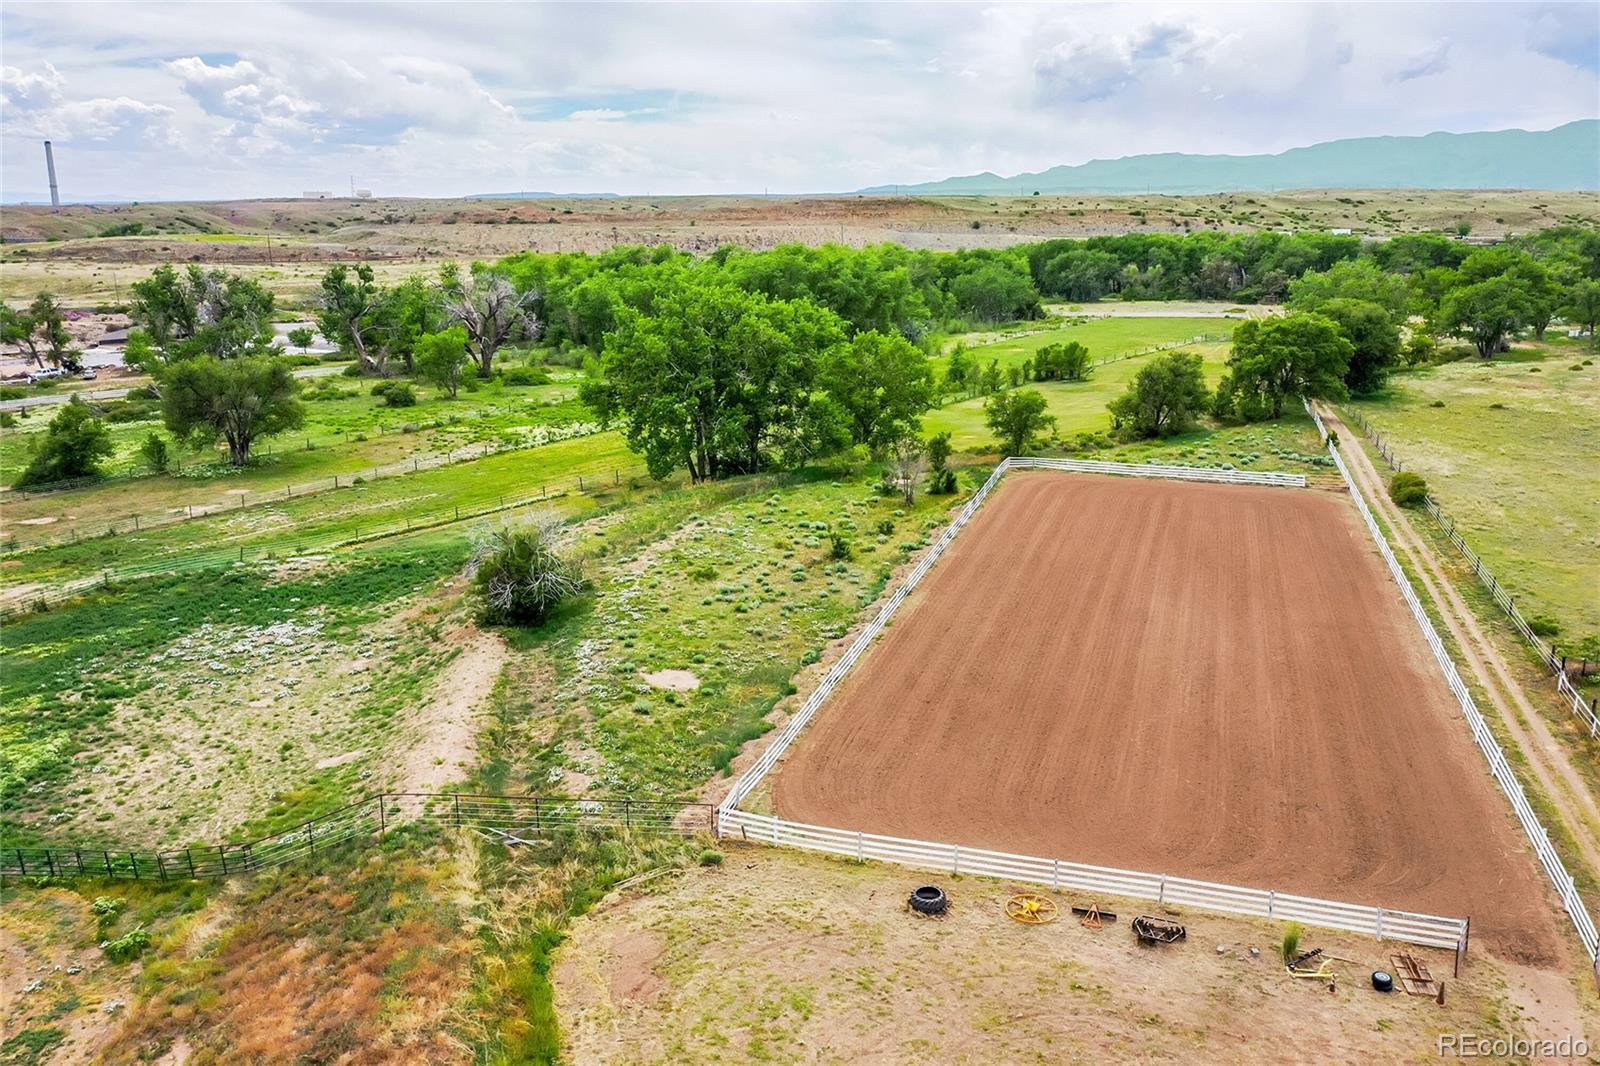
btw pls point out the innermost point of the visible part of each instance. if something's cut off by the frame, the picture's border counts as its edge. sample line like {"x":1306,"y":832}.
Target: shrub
{"x":711,"y":857}
{"x":942,"y":483}
{"x":380,"y":388}
{"x":119,"y":411}
{"x":352,"y":371}
{"x":143,"y":392}
{"x":839,"y":547}
{"x":1290,"y":947}
{"x":399,"y":395}
{"x":128,"y":946}
{"x":154,"y":453}
{"x":886,"y":526}
{"x":521,"y":576}
{"x":9,"y":393}
{"x":7,"y":420}
{"x":520,"y":376}
{"x":1408,"y":489}
{"x":73,"y":445}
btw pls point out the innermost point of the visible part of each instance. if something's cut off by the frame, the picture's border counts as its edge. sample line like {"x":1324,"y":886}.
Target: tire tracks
{"x":1546,"y":758}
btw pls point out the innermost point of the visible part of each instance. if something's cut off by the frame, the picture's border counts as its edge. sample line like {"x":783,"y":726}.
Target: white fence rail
{"x":1426,"y":929}
{"x":1584,"y":711}
{"x":1498,"y":765}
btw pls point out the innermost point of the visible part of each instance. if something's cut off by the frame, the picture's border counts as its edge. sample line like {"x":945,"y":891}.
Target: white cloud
{"x":257,"y":99}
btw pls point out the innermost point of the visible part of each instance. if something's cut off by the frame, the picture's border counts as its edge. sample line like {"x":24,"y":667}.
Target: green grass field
{"x":1103,"y":337}
{"x":1508,"y":448}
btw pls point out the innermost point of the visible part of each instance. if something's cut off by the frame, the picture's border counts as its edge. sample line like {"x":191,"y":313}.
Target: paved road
{"x":47,"y":398}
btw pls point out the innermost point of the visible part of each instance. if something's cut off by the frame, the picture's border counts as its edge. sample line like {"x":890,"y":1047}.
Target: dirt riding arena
{"x":1210,"y":681}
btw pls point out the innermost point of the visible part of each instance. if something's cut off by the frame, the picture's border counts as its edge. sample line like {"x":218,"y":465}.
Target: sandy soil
{"x":444,"y":731}
{"x":784,"y":957}
{"x":1242,"y":699}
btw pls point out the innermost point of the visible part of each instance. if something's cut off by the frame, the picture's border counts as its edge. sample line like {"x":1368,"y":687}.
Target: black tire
{"x":1382,"y":981}
{"x":929,"y":899}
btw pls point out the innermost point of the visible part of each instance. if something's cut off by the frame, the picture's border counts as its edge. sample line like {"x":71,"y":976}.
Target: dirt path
{"x":1487,"y":666}
{"x":444,"y":732}
{"x":1158,"y":676}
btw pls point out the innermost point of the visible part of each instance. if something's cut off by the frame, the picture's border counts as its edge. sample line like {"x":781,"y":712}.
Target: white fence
{"x":1425,"y":929}
{"x":1428,"y":930}
{"x":1583,"y":711}
{"x":1498,"y":766}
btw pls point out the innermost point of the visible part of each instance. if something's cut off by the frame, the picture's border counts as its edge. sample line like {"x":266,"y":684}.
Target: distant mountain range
{"x":1567,"y":157}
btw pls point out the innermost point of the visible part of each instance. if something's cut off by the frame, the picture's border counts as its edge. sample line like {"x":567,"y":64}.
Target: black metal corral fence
{"x":508,"y":819}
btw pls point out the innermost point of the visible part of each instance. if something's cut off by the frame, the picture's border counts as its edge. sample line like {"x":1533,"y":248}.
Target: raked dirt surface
{"x":1209,"y":681}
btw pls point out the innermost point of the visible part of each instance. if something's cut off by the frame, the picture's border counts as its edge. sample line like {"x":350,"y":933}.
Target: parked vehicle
{"x":49,"y":373}
{"x":89,"y":373}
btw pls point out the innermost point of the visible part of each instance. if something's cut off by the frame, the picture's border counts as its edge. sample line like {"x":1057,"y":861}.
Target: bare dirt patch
{"x":1203,"y":680}
{"x":785,"y":957}
{"x":676,"y":680}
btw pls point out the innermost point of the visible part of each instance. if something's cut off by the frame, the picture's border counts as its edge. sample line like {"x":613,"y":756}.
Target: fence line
{"x":414,"y":464}
{"x":1499,"y":767}
{"x":511,"y":819}
{"x":1385,"y":924}
{"x":1431,"y":930}
{"x":12,"y":602}
{"x":1586,"y":711}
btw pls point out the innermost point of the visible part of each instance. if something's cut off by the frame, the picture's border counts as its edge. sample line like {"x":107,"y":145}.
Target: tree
{"x":73,"y":445}
{"x":155,"y":453}
{"x":1164,"y":397}
{"x":302,"y":336}
{"x":1297,"y":354}
{"x":1351,"y":279}
{"x":236,"y":400}
{"x":909,"y":461}
{"x":405,"y":313}
{"x":1374,"y":339}
{"x":1018,"y":419}
{"x":347,"y":302}
{"x":1062,"y":362}
{"x":489,"y":307}
{"x":881,"y":382}
{"x":441,"y":358}
{"x":1583,"y":305}
{"x":41,"y":331}
{"x":994,"y":293}
{"x":719,"y":380}
{"x":521,"y":574}
{"x":1486,"y":313}
{"x":203,"y":312}
{"x":943,"y":481}
{"x":958,"y":371}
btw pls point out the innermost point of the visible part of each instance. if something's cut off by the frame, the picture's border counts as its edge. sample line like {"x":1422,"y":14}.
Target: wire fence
{"x":1499,"y":766}
{"x":510,"y":820}
{"x":244,"y":499}
{"x":19,"y":598}
{"x":1586,"y":710}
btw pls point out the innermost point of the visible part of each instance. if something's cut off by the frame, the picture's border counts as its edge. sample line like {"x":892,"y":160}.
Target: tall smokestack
{"x":50,"y":165}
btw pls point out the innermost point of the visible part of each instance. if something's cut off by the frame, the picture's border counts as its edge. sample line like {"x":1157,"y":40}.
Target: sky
{"x":214,"y":101}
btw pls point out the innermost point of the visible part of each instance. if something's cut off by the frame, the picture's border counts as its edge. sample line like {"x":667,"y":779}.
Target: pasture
{"x":1507,"y":447}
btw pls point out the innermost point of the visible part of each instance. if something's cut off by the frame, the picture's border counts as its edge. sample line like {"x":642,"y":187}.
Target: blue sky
{"x":241,"y":100}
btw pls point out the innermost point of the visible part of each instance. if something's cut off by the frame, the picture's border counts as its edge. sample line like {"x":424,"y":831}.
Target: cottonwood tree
{"x":202,"y":312}
{"x":1018,"y":418}
{"x":236,"y":400}
{"x":1583,"y":305}
{"x":41,"y":331}
{"x":1374,"y":338}
{"x":1285,"y":356}
{"x":441,"y":358}
{"x":490,"y":308}
{"x":1486,"y":313}
{"x":719,"y":381}
{"x":882,"y":383}
{"x":1164,"y":397}
{"x":347,"y":304}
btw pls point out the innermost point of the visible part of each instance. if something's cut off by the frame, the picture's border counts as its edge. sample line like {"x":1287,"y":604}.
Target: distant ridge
{"x":1567,"y":157}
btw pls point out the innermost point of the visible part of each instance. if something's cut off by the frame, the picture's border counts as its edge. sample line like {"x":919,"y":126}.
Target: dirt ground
{"x":785,"y":957}
{"x":1240,"y":697}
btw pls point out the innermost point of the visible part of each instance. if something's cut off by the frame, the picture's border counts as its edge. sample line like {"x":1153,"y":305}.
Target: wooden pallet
{"x":1413,"y":975}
